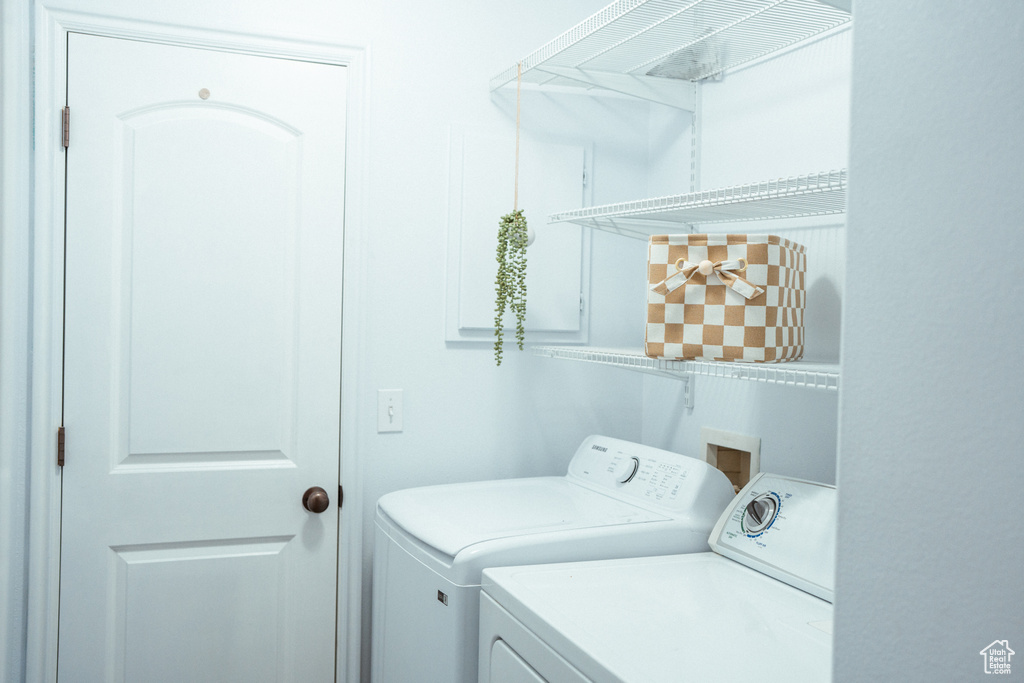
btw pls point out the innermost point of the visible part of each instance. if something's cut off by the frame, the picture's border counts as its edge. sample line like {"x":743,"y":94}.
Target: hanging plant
{"x":510,"y":283}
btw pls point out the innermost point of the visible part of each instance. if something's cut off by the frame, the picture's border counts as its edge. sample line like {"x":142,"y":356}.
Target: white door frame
{"x":51,"y":29}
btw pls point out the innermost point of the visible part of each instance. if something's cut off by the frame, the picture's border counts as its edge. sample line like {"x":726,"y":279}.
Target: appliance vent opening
{"x":737,"y":455}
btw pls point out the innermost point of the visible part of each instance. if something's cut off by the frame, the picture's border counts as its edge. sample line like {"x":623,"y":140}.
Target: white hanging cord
{"x":519,"y":80}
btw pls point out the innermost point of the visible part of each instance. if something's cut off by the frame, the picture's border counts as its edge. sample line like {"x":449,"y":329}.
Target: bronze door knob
{"x":315,"y":499}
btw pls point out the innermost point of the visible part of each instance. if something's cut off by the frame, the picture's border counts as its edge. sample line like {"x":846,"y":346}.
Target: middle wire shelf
{"x":816,"y":194}
{"x":796,"y":373}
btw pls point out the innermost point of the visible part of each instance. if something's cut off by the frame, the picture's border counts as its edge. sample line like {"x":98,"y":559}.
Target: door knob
{"x":315,"y":499}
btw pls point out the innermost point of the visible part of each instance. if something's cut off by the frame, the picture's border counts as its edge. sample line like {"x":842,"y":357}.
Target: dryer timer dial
{"x":760,"y":513}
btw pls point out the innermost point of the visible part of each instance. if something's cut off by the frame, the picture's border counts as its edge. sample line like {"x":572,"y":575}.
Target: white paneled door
{"x":202,"y":365}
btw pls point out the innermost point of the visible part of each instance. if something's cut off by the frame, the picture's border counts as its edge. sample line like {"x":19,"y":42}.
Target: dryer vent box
{"x":737,"y":455}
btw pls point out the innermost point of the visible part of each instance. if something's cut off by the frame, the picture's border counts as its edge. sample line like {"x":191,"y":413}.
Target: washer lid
{"x":452,"y":517}
{"x":699,"y":617}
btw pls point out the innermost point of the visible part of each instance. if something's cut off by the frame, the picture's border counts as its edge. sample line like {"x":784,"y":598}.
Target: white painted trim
{"x":354,"y":311}
{"x":44,"y":491}
{"x":52,"y":27}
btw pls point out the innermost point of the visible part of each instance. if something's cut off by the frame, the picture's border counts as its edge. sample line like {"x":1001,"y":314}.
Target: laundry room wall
{"x":15,"y":157}
{"x":929,"y":553}
{"x":782,"y":117}
{"x":428,"y":67}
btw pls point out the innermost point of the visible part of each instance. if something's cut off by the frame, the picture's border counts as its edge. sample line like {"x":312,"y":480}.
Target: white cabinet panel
{"x":481,"y":191}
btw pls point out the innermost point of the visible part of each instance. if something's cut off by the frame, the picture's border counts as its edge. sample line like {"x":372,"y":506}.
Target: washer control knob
{"x":760,"y":513}
{"x":627,"y":470}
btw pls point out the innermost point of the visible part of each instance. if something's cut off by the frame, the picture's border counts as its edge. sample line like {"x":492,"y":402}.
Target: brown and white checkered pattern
{"x":706,"y":320}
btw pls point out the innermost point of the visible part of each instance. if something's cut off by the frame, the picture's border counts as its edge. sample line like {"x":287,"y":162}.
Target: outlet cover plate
{"x":389,"y":410}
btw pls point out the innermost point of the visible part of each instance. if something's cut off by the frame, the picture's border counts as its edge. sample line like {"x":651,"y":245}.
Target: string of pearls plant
{"x":510,"y":283}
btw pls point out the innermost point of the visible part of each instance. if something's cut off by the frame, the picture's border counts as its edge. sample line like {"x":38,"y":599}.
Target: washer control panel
{"x":782,"y":527}
{"x":645,"y":474}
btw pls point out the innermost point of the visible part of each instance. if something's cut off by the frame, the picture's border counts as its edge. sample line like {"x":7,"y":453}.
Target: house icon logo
{"x":997,"y":657}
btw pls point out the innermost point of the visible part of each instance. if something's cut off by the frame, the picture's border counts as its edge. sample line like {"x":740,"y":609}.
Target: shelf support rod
{"x":673,"y":92}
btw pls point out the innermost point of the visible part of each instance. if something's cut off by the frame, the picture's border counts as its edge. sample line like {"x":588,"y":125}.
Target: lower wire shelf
{"x":797,"y":373}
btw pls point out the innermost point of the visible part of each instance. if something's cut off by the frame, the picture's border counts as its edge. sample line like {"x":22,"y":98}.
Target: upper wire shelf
{"x":635,"y":46}
{"x":817,"y":194}
{"x":795,"y":373}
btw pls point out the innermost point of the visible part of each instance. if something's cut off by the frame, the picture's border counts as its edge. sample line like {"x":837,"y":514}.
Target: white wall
{"x":15,"y":114}
{"x":782,"y":117}
{"x":428,"y":68}
{"x":930,"y":548}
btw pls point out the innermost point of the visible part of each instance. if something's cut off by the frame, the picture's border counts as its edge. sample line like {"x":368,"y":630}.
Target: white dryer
{"x":618,"y":499}
{"x":758,"y":608}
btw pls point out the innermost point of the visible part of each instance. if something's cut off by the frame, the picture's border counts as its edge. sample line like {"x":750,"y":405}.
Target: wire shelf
{"x":676,"y":39}
{"x":796,"y":374}
{"x":817,"y":194}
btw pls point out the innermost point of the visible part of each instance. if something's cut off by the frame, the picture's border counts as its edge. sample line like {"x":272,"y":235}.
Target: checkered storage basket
{"x":725,"y":297}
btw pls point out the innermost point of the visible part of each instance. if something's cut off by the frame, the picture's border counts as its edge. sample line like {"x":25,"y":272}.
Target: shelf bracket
{"x":641,"y":230}
{"x":673,"y":92}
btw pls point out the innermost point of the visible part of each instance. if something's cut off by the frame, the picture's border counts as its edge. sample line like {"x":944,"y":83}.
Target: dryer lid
{"x":453,"y":517}
{"x":697,"y":617}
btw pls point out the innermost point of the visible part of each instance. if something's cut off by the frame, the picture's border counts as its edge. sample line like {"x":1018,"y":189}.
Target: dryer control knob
{"x":760,"y":513}
{"x":627,"y":470}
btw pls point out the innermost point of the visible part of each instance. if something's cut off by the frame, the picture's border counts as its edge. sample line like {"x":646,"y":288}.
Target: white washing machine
{"x":758,"y":608}
{"x":618,"y":499}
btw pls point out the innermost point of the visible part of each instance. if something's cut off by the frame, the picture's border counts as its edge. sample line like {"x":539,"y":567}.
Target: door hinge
{"x":66,"y":125}
{"x":60,"y":446}
{"x":341,"y":496}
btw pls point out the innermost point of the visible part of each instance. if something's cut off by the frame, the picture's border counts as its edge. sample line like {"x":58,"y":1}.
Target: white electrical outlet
{"x":389,"y":410}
